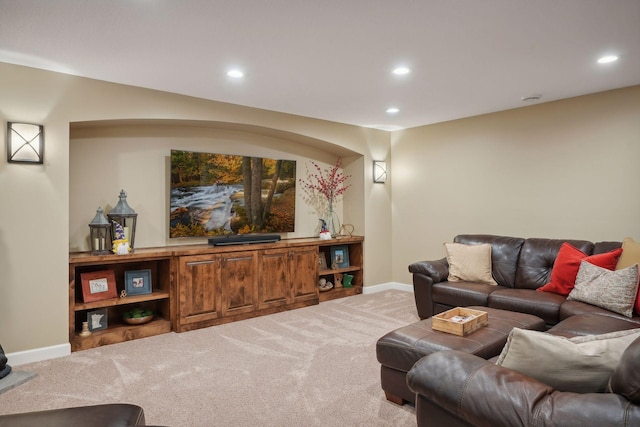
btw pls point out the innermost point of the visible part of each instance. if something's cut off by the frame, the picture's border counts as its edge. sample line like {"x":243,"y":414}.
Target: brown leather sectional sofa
{"x":106,"y":415}
{"x":458,"y":389}
{"x":519,"y":266}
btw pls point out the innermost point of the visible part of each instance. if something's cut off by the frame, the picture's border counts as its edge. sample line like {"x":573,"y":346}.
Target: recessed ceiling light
{"x":401,"y":71}
{"x":235,"y":73}
{"x":607,"y":59}
{"x":531,"y":98}
{"x":393,"y":110}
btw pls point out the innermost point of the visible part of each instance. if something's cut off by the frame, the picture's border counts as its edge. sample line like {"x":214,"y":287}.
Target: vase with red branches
{"x":322,"y":189}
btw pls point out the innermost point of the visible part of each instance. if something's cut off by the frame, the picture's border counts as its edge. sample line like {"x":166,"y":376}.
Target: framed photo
{"x":97,"y":319}
{"x":137,"y":282}
{"x":340,"y":256}
{"x":98,"y":285}
{"x":322,"y":261}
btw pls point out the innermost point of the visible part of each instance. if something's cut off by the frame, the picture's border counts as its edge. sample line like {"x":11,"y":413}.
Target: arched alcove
{"x":106,"y":156}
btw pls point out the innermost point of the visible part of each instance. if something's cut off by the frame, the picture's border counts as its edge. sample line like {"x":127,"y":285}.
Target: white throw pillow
{"x":579,"y":364}
{"x":612,"y":290}
{"x":470,"y":263}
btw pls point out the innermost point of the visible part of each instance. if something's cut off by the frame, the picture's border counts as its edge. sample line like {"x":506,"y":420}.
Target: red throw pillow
{"x":567,"y":264}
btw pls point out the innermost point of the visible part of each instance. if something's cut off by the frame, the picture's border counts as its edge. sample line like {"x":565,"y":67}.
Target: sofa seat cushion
{"x":544,"y":305}
{"x":462,"y":294}
{"x":591,"y":324}
{"x":572,"y":308}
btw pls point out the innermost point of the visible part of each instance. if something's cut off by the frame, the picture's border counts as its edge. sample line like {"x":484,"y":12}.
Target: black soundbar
{"x":242,"y":239}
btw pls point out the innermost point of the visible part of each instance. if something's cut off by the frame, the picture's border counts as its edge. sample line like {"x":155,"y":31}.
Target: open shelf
{"x":129,"y":299}
{"x":355,"y":261}
{"x":119,"y":333}
{"x":159,"y":300}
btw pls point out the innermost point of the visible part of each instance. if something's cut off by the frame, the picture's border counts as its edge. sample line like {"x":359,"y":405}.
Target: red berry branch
{"x":328,"y":183}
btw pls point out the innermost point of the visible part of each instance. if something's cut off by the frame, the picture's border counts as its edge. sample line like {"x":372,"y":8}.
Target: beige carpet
{"x":314,"y":366}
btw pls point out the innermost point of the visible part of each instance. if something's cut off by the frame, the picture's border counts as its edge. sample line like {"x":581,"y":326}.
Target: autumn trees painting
{"x":214,"y":194}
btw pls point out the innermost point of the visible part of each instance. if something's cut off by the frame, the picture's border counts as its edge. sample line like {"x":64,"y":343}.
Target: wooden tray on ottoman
{"x":459,"y":321}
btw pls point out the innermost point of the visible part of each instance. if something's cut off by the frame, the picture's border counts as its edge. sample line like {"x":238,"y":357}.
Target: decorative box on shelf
{"x":459,"y":321}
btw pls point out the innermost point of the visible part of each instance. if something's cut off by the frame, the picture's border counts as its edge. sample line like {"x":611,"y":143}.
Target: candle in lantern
{"x":98,"y":244}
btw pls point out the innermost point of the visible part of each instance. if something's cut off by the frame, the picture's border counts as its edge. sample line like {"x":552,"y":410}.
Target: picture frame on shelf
{"x":138,"y":282}
{"x":98,"y":319}
{"x":322,"y":261}
{"x":339,"y":256}
{"x":98,"y":285}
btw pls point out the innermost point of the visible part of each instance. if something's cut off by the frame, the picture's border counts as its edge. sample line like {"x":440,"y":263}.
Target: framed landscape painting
{"x":216,"y":194}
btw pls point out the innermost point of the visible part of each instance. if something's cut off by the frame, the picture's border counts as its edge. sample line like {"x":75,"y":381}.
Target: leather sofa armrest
{"x":437,"y":271}
{"x":425,"y":274}
{"x":484,"y":394}
{"x":104,"y":415}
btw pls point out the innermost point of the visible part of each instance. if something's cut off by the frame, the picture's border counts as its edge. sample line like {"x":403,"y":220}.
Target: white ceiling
{"x":332,"y":59}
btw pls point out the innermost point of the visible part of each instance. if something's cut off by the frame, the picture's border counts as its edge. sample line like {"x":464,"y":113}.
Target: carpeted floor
{"x":14,"y":379}
{"x":314,"y":366}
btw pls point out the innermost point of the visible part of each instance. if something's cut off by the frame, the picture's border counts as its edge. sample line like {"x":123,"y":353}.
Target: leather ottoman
{"x":399,"y":350}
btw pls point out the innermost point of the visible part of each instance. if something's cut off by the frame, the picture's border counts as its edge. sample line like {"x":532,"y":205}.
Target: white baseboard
{"x":386,"y":286}
{"x":39,"y":354}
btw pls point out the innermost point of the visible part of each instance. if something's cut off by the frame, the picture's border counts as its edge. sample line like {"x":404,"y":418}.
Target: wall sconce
{"x":25,"y":143}
{"x":379,"y":171}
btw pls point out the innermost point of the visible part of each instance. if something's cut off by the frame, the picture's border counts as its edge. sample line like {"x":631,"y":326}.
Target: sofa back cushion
{"x":537,"y":257}
{"x":504,"y":254}
{"x":567,"y":263}
{"x":603,"y":247}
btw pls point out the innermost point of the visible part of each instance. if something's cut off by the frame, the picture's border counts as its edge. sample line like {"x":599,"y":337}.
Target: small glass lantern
{"x":99,"y":234}
{"x":126,"y":217}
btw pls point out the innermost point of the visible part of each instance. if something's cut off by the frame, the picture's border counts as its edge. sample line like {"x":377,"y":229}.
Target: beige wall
{"x":136,"y":157}
{"x":565,"y":169}
{"x":562,"y":169}
{"x":41,"y":216}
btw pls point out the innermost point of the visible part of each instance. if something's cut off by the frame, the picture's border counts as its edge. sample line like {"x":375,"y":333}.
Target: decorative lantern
{"x":126,"y":217}
{"x":99,"y":230}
